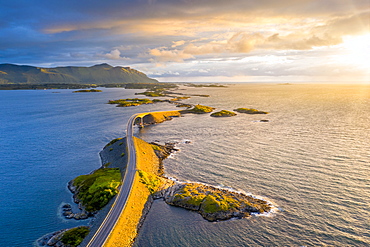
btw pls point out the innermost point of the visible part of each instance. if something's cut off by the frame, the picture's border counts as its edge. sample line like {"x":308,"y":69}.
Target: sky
{"x":194,"y":40}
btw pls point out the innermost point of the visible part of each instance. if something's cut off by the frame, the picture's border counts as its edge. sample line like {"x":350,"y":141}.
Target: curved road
{"x":113,"y":215}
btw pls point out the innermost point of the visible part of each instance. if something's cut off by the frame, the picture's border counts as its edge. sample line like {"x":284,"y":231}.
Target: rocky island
{"x":199,"y":109}
{"x":214,"y":203}
{"x":88,"y":91}
{"x":223,"y":113}
{"x":130,"y":102}
{"x":250,"y":111}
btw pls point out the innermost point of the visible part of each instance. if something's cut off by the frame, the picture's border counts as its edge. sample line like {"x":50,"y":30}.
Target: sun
{"x":355,"y":51}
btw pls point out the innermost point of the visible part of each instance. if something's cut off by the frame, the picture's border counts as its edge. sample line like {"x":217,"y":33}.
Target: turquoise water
{"x":312,"y":160}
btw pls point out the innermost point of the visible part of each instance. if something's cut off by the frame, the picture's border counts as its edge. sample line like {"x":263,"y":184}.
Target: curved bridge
{"x":102,"y":234}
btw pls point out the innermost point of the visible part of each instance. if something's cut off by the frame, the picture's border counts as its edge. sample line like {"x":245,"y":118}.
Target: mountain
{"x":97,"y":74}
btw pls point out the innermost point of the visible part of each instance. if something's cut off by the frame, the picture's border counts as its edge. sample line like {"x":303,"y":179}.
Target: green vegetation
{"x":180,"y":98}
{"x":223,"y":113}
{"x":250,"y":111}
{"x":216,"y":204}
{"x":106,"y":164}
{"x":156,"y":147}
{"x":96,"y":189}
{"x":184,"y":105}
{"x":130,"y":102}
{"x":101,"y":73}
{"x":199,"y":109}
{"x":151,"y":180}
{"x":159,"y":117}
{"x":189,"y":194}
{"x":88,"y":91}
{"x":23,"y":86}
{"x":203,"y":85}
{"x":113,"y":141}
{"x":152,"y":94}
{"x":73,"y":237}
{"x":200,"y":95}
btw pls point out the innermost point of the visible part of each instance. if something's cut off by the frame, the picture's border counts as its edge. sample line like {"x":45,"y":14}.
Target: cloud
{"x":168,"y":56}
{"x":320,"y":34}
{"x":179,"y":33}
{"x":115,"y":55}
{"x":178,"y":43}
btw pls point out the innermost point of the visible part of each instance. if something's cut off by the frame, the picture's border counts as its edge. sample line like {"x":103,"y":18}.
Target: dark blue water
{"x":47,"y":139}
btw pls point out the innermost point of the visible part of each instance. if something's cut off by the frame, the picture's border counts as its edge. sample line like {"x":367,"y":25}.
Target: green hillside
{"x":97,"y":74}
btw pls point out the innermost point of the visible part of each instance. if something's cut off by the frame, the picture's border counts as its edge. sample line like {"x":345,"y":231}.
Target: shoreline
{"x":140,"y":200}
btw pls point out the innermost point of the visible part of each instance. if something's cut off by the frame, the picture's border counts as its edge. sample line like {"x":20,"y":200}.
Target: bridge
{"x":101,"y":235}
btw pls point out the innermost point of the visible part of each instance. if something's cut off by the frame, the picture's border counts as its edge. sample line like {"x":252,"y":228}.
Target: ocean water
{"x":311,"y":160}
{"x":47,"y":138}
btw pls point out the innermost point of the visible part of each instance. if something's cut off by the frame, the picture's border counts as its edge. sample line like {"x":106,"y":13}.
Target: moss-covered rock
{"x":88,"y":91}
{"x":250,"y":111}
{"x":130,"y":102}
{"x":214,"y":203}
{"x":73,"y":237}
{"x":223,"y":113}
{"x":199,"y":109}
{"x":152,"y":94}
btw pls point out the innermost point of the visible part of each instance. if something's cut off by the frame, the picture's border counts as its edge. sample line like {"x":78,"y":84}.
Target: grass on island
{"x":157,"y":117}
{"x":142,"y":85}
{"x":250,"y":111}
{"x":150,"y":180}
{"x":208,"y":200}
{"x":130,"y":102}
{"x":125,"y":230}
{"x":201,"y":95}
{"x":73,"y":237}
{"x":203,"y":85}
{"x":223,"y":113}
{"x":88,"y":91}
{"x":200,"y":109}
{"x":96,"y":189}
{"x":113,"y":141}
{"x":180,"y":98}
{"x":160,"y":117}
{"x":184,"y":105}
{"x":152,"y":94}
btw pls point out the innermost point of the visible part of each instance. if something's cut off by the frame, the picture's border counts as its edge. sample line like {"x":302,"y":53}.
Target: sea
{"x":310,"y":158}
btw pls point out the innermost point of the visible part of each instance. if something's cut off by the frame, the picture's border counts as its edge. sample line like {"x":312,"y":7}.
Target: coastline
{"x":149,"y":163}
{"x":139,"y":201}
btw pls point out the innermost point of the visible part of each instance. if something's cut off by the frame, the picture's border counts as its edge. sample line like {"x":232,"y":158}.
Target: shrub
{"x":96,"y":189}
{"x":74,"y":236}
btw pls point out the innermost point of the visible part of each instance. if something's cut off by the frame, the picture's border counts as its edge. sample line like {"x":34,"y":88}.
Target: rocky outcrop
{"x":223,"y":113}
{"x":163,"y":151}
{"x":212,"y":203}
{"x":67,"y":211}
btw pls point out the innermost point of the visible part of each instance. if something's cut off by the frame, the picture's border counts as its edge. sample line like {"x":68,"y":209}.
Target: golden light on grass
{"x":125,"y":230}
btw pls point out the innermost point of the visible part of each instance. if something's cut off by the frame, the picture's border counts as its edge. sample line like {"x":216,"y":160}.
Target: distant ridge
{"x":97,"y":74}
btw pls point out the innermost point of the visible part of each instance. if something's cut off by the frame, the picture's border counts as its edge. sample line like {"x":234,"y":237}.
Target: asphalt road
{"x":101,"y":235}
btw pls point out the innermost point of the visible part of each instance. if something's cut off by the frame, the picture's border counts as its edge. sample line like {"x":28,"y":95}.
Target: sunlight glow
{"x":356,"y":51}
